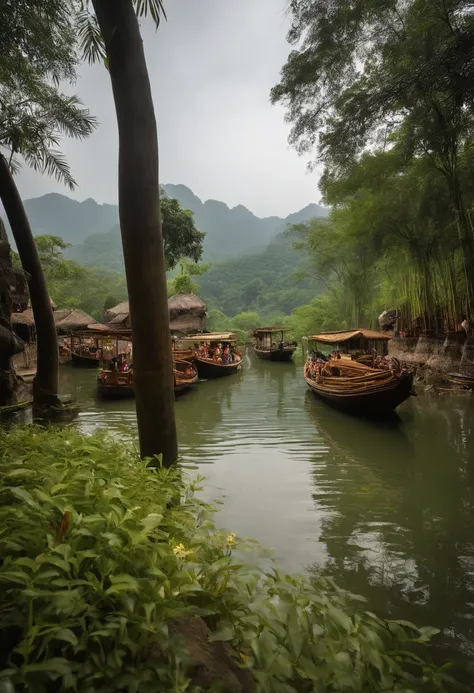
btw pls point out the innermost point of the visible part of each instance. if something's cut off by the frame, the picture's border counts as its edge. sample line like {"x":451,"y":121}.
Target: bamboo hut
{"x":72,"y":319}
{"x":119,"y":315}
{"x":188,"y":313}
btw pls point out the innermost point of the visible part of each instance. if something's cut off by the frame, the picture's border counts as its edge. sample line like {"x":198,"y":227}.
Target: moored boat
{"x":185,"y":375}
{"x":215,"y":354}
{"x":114,"y":384}
{"x":358,"y":389}
{"x":267,"y":348}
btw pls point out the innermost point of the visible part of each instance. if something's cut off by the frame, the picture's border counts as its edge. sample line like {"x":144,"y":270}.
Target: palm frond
{"x":53,"y":163}
{"x":154,"y":8}
{"x":90,"y":38}
{"x":70,"y":119}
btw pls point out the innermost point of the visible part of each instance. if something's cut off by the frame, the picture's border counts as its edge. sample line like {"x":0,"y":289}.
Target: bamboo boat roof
{"x":347,"y":335}
{"x":271,"y":329}
{"x":211,"y":337}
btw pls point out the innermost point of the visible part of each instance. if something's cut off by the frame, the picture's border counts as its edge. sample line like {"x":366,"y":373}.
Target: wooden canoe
{"x":85,"y":361}
{"x":116,"y":385}
{"x":359,"y":389}
{"x":275,"y":354}
{"x":208,"y":368}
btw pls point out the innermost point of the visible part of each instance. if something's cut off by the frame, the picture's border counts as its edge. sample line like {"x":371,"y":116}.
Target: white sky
{"x":211,"y":65}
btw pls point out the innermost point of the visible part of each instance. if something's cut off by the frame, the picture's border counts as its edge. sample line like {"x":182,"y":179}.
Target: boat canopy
{"x":267,"y":330}
{"x":348,"y":335}
{"x":210,"y":337}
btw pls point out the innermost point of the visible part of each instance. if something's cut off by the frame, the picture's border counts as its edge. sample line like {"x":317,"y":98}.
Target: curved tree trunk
{"x":45,"y":386}
{"x":140,"y":223}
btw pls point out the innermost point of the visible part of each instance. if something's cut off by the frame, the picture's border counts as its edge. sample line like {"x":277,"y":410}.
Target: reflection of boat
{"x":381,"y":445}
{"x":118,"y":385}
{"x":266,"y":348}
{"x":358,"y":389}
{"x":209,"y":368}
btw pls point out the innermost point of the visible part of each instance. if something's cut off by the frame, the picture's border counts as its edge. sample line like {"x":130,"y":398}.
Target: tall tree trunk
{"x":45,"y":386}
{"x":9,"y":344}
{"x":140,"y":224}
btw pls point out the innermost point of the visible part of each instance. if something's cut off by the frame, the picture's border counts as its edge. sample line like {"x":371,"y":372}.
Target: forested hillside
{"x":93,"y":232}
{"x":266,"y":282}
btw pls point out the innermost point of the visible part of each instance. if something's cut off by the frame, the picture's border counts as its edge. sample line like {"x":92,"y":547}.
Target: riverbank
{"x":114,"y":576}
{"x":432,"y":358}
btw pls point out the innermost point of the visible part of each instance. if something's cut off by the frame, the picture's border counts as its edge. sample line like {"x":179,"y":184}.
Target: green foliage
{"x":323,"y":313}
{"x":101,"y":551}
{"x":265,"y":282}
{"x":183,"y":282}
{"x":73,"y":286}
{"x":249,"y":320}
{"x":385,"y":93}
{"x":181,"y":237}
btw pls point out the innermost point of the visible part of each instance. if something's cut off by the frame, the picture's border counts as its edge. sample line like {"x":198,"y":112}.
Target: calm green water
{"x":386,"y":509}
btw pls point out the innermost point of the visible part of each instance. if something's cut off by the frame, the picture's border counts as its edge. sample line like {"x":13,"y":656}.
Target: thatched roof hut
{"x":118,"y":315}
{"x":71,"y":319}
{"x":187,"y":313}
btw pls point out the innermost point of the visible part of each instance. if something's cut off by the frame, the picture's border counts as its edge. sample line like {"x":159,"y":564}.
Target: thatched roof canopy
{"x":186,"y":303}
{"x":119,"y":308}
{"x":347,"y":335}
{"x":187,"y":313}
{"x":71,"y":319}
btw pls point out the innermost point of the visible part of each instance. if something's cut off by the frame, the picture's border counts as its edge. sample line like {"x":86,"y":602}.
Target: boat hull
{"x":116,"y":391}
{"x":275,"y":354}
{"x":375,"y":404}
{"x":211,"y":369}
{"x":128,"y":391}
{"x":84,"y":361}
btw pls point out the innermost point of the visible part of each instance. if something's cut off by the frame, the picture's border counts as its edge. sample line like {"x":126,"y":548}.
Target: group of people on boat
{"x":120,"y":364}
{"x":218,"y":352}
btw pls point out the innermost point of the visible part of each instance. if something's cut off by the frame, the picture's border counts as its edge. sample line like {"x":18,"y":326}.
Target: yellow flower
{"x":231,"y":540}
{"x":180,"y":552}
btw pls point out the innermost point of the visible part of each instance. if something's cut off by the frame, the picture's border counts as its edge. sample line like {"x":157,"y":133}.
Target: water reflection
{"x":385,"y":508}
{"x":398,"y":512}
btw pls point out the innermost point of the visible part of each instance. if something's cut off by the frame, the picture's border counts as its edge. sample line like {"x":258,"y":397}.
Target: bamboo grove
{"x":384,"y":92}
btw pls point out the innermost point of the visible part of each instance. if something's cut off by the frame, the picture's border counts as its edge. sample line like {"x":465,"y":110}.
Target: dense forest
{"x":382,"y":94}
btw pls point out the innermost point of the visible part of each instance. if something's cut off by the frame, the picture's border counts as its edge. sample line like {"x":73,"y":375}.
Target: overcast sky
{"x":211,"y":65}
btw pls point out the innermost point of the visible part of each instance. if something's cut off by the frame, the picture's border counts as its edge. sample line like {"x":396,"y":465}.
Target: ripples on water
{"x":385,"y":508}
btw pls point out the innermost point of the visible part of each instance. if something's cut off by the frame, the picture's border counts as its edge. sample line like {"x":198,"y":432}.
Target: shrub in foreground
{"x":100,"y":554}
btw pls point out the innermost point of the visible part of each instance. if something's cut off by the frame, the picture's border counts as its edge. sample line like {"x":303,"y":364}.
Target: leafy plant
{"x":99,"y":552}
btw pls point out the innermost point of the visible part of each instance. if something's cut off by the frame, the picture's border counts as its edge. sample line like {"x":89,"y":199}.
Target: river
{"x":387,"y":509}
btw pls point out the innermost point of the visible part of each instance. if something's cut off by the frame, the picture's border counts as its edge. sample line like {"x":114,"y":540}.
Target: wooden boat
{"x":89,"y":348}
{"x":117,"y":385}
{"x":358,"y":389}
{"x":361,"y":344}
{"x":266,"y":348}
{"x":86,"y":359}
{"x":185,"y":375}
{"x":209,"y":368}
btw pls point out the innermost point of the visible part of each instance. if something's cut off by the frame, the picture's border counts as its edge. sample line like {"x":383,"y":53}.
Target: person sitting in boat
{"x":217,"y":356}
{"x":226,"y":355}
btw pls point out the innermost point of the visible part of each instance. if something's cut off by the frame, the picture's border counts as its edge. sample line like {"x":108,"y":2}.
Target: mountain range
{"x":92,"y":228}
